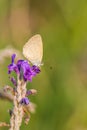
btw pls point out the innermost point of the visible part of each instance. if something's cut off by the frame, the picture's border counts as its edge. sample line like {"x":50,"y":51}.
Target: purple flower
{"x":24,"y":101}
{"x":22,"y":65}
{"x":12,"y":66}
{"x":28,"y":93}
{"x":31,"y":91}
{"x":13,"y":80}
{"x":27,"y":71}
{"x":35,"y":69}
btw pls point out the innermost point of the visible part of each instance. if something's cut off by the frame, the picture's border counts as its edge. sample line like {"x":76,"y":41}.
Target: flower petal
{"x":24,"y":101}
{"x":28,"y":71}
{"x":12,"y":67}
{"x":36,"y":69}
{"x":13,"y":80}
{"x":13,"y":57}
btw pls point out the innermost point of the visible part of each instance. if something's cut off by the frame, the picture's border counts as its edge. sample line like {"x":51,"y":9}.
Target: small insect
{"x":33,"y":50}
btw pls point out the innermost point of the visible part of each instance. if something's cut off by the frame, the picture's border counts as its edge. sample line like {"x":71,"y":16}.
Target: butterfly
{"x":33,"y":50}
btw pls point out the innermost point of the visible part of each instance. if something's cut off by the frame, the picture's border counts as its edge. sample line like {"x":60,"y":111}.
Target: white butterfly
{"x":33,"y":50}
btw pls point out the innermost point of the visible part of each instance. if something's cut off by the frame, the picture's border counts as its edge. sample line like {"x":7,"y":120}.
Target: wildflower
{"x":22,"y":65}
{"x":13,"y":80}
{"x":24,"y":101}
{"x":31,"y":91}
{"x":35,"y":69}
{"x":12,"y":66}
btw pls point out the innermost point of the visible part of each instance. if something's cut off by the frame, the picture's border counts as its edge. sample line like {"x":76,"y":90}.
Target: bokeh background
{"x":62,"y":84}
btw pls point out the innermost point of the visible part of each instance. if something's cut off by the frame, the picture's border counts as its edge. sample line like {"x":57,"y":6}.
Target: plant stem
{"x":17,"y":113}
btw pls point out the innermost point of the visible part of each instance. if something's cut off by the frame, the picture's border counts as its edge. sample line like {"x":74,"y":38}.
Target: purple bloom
{"x":13,"y":57}
{"x":22,"y":65}
{"x":31,"y":91}
{"x":12,"y":66}
{"x":28,"y":93}
{"x":24,"y":101}
{"x":13,"y":80}
{"x":35,"y":69}
{"x":28,"y":73}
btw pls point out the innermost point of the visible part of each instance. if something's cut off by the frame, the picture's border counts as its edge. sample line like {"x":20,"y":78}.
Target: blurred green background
{"x":62,"y":84}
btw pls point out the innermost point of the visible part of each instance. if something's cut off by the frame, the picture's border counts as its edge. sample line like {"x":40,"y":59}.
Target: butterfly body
{"x":33,"y":50}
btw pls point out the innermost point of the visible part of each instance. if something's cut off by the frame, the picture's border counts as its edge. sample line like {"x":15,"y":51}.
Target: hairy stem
{"x":17,"y":113}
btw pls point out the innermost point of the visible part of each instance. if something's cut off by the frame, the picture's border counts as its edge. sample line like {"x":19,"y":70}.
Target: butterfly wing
{"x":33,"y":50}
